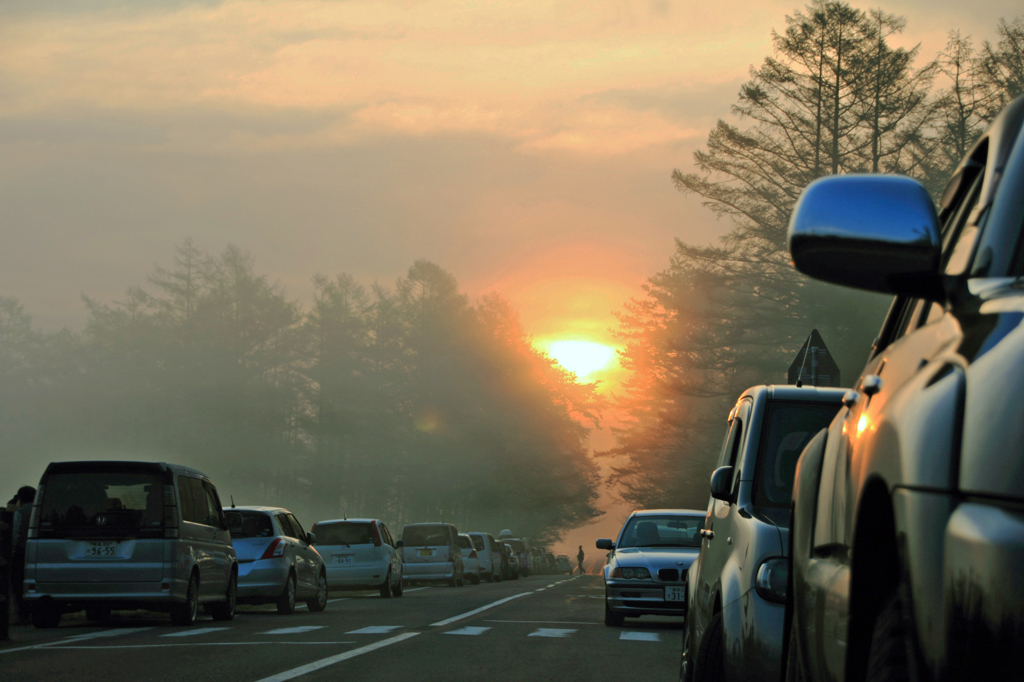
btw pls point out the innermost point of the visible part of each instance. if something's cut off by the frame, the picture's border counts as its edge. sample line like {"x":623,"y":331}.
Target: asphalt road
{"x":533,"y":629}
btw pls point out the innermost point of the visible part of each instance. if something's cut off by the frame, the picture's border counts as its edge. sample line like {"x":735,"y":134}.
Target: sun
{"x":581,"y":357}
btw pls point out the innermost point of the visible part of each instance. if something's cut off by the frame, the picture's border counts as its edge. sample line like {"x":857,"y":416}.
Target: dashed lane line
{"x":325,"y":662}
{"x":163,"y":645}
{"x":71,"y":639}
{"x":640,"y":636}
{"x":193,"y":632}
{"x":375,"y":630}
{"x":552,"y":632}
{"x":548,"y":622}
{"x":295,"y":630}
{"x":468,"y":630}
{"x":467,"y":614}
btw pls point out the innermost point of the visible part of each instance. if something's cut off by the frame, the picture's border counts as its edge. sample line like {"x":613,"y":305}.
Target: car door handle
{"x":709,"y":534}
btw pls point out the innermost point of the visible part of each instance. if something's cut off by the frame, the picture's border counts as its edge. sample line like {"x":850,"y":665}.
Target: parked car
{"x":522,"y":551}
{"x":470,"y":558}
{"x":128,"y":535}
{"x":908,"y":529}
{"x":489,"y":556}
{"x":430,"y":552}
{"x":645,"y":574}
{"x":562,"y":564}
{"x":737,"y":586}
{"x":277,"y":563}
{"x":512,"y":561}
{"x":549,"y":562}
{"x":360,"y":554}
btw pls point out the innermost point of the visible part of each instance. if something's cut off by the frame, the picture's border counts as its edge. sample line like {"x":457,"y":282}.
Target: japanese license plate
{"x":101,"y":549}
{"x":675,"y":593}
{"x":342,"y":558}
{"x":426,"y":552}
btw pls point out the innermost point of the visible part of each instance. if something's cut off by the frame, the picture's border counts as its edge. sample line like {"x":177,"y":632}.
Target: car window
{"x":385,"y":535}
{"x":214,"y":513}
{"x":463,"y":542}
{"x":964,"y":231}
{"x":197,"y":495}
{"x":111,"y":500}
{"x":426,"y":536}
{"x":286,"y":525}
{"x":343,"y":533}
{"x":478,"y":542}
{"x":300,"y":532}
{"x":661,"y":531}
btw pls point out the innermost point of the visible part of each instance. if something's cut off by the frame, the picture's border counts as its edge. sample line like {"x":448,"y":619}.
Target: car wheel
{"x":45,"y":615}
{"x":612,"y":619}
{"x":887,"y":657}
{"x":319,"y":602}
{"x":185,"y":614}
{"x":462,"y":579}
{"x":99,"y":614}
{"x":286,"y":602}
{"x":491,"y":578}
{"x":685,"y":667}
{"x":398,"y":589}
{"x":225,"y":610}
{"x":710,"y":663}
{"x":385,"y":587}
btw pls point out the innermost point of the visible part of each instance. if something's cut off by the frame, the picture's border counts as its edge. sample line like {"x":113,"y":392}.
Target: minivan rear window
{"x":464,"y":542}
{"x":478,"y":542}
{"x":343,"y":534}
{"x":102,"y":504}
{"x":425,"y":536}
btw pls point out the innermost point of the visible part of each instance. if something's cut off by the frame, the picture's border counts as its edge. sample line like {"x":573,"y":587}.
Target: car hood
{"x":654,"y":558}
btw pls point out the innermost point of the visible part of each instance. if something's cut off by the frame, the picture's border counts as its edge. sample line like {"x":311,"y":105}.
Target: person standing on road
{"x":579,"y":559}
{"x":26,"y":496}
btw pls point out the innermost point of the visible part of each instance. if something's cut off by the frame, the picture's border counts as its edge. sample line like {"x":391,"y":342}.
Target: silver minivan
{"x":430,"y":552}
{"x":109,"y":535}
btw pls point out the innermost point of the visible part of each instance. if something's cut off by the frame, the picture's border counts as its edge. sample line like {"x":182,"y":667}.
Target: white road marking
{"x":71,"y":639}
{"x":375,"y":630}
{"x":550,"y":622}
{"x":640,"y":636}
{"x":317,"y":665}
{"x":193,"y":632}
{"x":417,"y":589}
{"x":551,"y":632}
{"x":468,"y":631}
{"x":467,"y":614}
{"x":164,"y":646}
{"x":295,"y":630}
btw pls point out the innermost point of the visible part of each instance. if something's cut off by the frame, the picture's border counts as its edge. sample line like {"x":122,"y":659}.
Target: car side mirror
{"x":400,"y":544}
{"x":606,"y":544}
{"x":873,"y":232}
{"x":721,"y":483}
{"x":311,"y":538}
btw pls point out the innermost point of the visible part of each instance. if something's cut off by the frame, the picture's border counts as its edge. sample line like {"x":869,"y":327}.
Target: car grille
{"x":668,"y":575}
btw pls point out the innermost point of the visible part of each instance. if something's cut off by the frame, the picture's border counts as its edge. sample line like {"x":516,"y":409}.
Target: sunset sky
{"x":525,"y":146}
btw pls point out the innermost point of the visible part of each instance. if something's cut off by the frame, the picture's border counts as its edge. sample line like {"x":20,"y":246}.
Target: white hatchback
{"x":360,"y":554}
{"x":489,"y":554}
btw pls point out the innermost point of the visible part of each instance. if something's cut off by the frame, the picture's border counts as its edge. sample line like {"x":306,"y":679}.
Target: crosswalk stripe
{"x":551,"y":632}
{"x":193,"y":632}
{"x":640,"y":636}
{"x":374,"y":630}
{"x":468,"y":630}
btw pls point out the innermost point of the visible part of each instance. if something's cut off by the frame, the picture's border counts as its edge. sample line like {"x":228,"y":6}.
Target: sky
{"x":524,"y":146}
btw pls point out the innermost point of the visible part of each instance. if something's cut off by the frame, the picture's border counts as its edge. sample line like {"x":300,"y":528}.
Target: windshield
{"x":661,"y":531}
{"x":789,"y":426}
{"x":425,"y":536}
{"x":248,"y":524}
{"x":103,"y":503}
{"x":343,"y":533}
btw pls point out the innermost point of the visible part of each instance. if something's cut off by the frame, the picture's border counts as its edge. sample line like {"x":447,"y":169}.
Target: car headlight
{"x":631,"y":573}
{"x":772,"y":578}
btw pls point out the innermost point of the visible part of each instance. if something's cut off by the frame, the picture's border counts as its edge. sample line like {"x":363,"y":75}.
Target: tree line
{"x":834,"y":97}
{"x":407,"y":404}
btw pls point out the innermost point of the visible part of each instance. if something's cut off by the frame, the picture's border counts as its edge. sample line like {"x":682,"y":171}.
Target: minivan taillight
{"x":170,"y":513}
{"x":377,"y":542}
{"x":274,"y":549}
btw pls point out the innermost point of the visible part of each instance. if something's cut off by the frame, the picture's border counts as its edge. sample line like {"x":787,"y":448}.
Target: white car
{"x":470,"y":558}
{"x":360,"y":554}
{"x":489,"y":553}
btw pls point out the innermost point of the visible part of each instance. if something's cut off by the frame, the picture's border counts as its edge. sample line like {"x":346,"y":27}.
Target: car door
{"x":199,"y":537}
{"x":220,"y":543}
{"x":308,"y":571}
{"x":389,"y":546}
{"x":718,"y":523}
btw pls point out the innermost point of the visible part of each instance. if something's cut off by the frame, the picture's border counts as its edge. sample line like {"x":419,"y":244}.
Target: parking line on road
{"x":180,"y":644}
{"x":417,"y":589}
{"x":547,"y":622}
{"x":323,"y":663}
{"x":375,"y":630}
{"x":551,"y":632}
{"x":467,"y":614}
{"x":295,"y":630}
{"x":468,"y":630}
{"x":640,"y":636}
{"x":193,"y":632}
{"x":71,"y":639}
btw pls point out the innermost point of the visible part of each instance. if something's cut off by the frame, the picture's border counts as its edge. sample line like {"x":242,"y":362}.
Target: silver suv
{"x":128,"y":535}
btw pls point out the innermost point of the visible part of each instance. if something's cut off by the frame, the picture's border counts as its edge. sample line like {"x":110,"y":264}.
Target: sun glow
{"x":581,"y":357}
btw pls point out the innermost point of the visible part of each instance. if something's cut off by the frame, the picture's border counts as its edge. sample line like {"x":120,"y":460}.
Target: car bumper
{"x":355,"y":577}
{"x":262,"y":578}
{"x":429,"y":571}
{"x":123,"y":595}
{"x":627,"y":598}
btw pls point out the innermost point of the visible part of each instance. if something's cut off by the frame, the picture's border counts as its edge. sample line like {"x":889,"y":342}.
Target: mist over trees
{"x":409,"y":404}
{"x":835,"y":97}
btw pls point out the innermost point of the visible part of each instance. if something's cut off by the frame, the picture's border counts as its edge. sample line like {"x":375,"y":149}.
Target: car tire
{"x":185,"y":614}
{"x":286,"y":602}
{"x":225,"y":610}
{"x":385,"y":587}
{"x":98,"y":614}
{"x":319,"y":602}
{"x":462,"y":579}
{"x":685,"y":665}
{"x":45,"y":615}
{"x":398,"y":589}
{"x":491,"y":578}
{"x":452,"y":582}
{"x":887,"y":657}
{"x":709,"y":665}
{"x":612,"y":619}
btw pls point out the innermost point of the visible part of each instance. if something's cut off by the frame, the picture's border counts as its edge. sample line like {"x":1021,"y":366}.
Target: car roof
{"x":817,"y":394}
{"x":86,"y":465}
{"x":667,"y":512}
{"x":258,"y":508}
{"x":319,"y":523}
